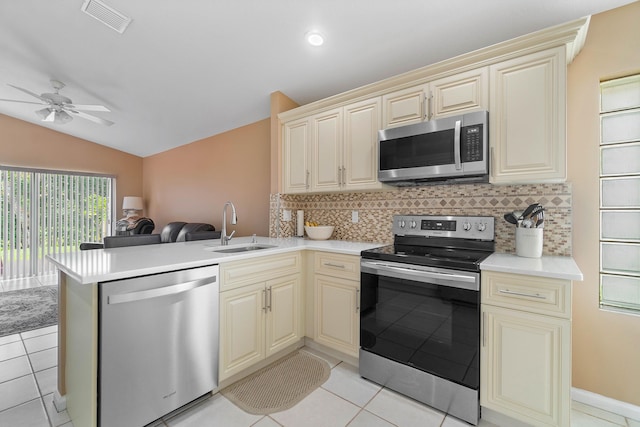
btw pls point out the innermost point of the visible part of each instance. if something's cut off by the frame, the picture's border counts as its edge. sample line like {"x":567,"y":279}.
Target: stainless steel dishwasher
{"x":158,"y":344}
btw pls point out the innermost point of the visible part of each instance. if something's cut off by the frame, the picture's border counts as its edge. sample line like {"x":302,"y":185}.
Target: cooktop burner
{"x":460,"y":243}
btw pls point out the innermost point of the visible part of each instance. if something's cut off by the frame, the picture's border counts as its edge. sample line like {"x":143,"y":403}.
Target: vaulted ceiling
{"x":185,"y":70}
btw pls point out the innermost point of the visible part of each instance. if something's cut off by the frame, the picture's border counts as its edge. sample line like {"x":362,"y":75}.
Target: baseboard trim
{"x":625,"y":409}
{"x":59,"y":401}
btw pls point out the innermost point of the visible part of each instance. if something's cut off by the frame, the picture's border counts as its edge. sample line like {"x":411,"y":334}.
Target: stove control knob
{"x":413,"y":224}
{"x":401,"y":223}
{"x":482,"y":226}
{"x":466,"y":226}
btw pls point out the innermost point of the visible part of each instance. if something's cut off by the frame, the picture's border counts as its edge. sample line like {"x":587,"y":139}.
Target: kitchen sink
{"x":236,"y":249}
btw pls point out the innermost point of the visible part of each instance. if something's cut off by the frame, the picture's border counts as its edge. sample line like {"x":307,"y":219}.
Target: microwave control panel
{"x":472,"y":143}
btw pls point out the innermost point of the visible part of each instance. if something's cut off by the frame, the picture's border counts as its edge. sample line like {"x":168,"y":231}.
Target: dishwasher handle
{"x":159,"y":292}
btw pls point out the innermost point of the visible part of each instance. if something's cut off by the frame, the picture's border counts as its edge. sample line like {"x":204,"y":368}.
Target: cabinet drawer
{"x":528,"y":293}
{"x":344,"y":266}
{"x":241,"y":273}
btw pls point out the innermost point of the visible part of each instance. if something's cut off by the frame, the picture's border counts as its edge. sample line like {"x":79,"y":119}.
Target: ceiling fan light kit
{"x":53,"y":116}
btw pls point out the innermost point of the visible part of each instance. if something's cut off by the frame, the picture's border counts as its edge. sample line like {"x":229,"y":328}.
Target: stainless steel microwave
{"x":447,"y":150}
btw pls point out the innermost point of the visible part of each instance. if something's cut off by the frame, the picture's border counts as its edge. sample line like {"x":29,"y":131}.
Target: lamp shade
{"x":132,"y":203}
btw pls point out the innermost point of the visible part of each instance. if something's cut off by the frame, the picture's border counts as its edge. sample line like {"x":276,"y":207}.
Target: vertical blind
{"x":620,"y":194}
{"x":48,"y":212}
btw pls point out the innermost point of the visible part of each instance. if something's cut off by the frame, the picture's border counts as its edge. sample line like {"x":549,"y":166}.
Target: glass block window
{"x":620,"y":194}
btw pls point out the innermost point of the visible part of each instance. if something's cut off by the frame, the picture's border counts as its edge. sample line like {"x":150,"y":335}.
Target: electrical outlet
{"x":354,"y":216}
{"x":286,"y":215}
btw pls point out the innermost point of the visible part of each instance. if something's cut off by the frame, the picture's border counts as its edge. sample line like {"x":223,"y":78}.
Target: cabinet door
{"x":404,"y":107}
{"x":295,"y":166}
{"x":327,"y":150}
{"x":360,"y":153}
{"x":283,"y":313}
{"x":527,"y":118}
{"x":241,"y":328}
{"x":525,"y":366}
{"x":337,"y":316}
{"x":460,"y":93}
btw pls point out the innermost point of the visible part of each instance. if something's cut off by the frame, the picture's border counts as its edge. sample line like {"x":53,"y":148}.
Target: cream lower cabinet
{"x":527,"y":110}
{"x":260,"y":310}
{"x":526,"y":348}
{"x":336,"y":282}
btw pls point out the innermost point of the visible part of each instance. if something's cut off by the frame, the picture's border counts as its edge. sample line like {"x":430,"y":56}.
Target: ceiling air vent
{"x":106,"y":14}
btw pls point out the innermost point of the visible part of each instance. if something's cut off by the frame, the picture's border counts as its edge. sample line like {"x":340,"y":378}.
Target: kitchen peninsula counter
{"x":100,"y":265}
{"x":82,"y":275}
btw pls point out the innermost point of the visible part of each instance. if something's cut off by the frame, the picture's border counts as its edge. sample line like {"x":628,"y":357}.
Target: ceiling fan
{"x":60,"y":109}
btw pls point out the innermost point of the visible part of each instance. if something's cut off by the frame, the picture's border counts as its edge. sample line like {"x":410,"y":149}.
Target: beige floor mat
{"x":280,"y":385}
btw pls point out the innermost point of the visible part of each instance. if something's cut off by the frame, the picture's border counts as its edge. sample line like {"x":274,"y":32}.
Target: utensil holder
{"x":529,"y":242}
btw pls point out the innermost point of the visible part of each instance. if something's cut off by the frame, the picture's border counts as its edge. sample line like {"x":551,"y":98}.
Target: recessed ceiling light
{"x":314,"y":38}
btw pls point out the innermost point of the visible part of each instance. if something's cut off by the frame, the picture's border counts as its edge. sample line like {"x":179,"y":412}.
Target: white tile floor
{"x":28,"y":378}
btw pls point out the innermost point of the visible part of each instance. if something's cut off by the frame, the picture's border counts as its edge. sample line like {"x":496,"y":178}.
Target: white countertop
{"x":557,"y":267}
{"x":99,"y":265}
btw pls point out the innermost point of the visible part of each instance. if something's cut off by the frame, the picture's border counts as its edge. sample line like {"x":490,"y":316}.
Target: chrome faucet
{"x":224,"y":239}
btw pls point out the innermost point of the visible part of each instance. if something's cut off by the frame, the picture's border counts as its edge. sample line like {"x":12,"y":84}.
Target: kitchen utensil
{"x":527,"y":212}
{"x":536,"y":211}
{"x":511,"y":218}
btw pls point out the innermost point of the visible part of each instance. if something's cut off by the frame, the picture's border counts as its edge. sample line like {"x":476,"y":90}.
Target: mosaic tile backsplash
{"x":376,"y":210}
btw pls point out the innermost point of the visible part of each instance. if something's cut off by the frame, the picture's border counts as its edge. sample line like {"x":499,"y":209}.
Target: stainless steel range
{"x":420,"y":311}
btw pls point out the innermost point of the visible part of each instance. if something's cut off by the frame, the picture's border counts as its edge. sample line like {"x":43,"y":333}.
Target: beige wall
{"x":24,"y":144}
{"x":606,"y":346}
{"x":192,"y":182}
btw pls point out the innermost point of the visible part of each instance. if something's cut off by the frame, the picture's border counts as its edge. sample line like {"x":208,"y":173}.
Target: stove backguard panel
{"x":376,"y":210}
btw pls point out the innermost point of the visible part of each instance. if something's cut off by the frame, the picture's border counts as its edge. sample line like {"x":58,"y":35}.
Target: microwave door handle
{"x":456,"y":145}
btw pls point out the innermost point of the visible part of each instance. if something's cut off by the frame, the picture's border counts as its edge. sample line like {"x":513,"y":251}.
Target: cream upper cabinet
{"x":336,"y":283}
{"x":525,"y":357}
{"x":456,"y":94}
{"x":460,"y":93}
{"x":296,"y":151}
{"x":335,"y":150}
{"x":327,"y":151}
{"x":527,"y":110}
{"x":521,"y":82}
{"x":260,"y":310}
{"x":360,"y":149}
{"x":405,"y":106}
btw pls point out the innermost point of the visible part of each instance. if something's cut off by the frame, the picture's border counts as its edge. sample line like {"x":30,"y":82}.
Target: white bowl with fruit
{"x":316,"y":231}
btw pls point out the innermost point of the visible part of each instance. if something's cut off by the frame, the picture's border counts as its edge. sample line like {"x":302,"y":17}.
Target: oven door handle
{"x":464,"y":281}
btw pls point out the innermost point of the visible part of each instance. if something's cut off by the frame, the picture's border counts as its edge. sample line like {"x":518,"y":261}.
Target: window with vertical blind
{"x":47,"y":212}
{"x":620,"y":194}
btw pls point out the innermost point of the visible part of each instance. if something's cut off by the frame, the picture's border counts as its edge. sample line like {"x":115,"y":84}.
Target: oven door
{"x":427,"y":318}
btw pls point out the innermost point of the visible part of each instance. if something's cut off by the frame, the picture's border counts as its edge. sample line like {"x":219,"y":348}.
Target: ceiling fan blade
{"x":88,"y":107}
{"x":28,"y":92}
{"x":24,"y":102}
{"x":90,"y":117}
